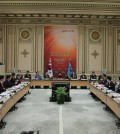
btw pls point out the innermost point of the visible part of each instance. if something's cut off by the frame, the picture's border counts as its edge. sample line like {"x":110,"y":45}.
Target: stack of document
{"x":109,"y":92}
{"x":117,"y":99}
{"x":10,"y":92}
{"x":105,"y":89}
{"x":84,"y":79}
{"x":5,"y":96}
{"x":100,"y":87}
{"x":93,"y":79}
{"x":24,"y":83}
{"x":113,"y":94}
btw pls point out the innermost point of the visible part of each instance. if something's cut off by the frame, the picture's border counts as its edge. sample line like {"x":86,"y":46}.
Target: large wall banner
{"x":60,"y":43}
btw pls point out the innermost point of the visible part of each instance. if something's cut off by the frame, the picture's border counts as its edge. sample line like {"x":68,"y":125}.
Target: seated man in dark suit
{"x":19,"y":75}
{"x":83,"y":76}
{"x":93,"y":76}
{"x":103,"y":79}
{"x":27,"y":76}
{"x":110,"y":85}
{"x":18,"y":79}
{"x":73,"y":75}
{"x":2,"y":89}
{"x":7,"y":83}
{"x":118,"y":88}
{"x":100,"y":77}
{"x":13,"y":80}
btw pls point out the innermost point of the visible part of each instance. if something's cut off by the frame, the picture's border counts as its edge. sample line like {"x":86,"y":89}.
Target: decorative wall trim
{"x":25,"y":34}
{"x":10,"y":49}
{"x":57,"y":21}
{"x":109,"y":50}
{"x":117,"y":50}
{"x":25,"y":53}
{"x":95,"y":54}
{"x":95,"y":35}
{"x":59,"y":4}
{"x":39,"y":48}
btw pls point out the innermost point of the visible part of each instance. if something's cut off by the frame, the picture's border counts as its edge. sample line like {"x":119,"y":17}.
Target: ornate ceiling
{"x":61,"y":9}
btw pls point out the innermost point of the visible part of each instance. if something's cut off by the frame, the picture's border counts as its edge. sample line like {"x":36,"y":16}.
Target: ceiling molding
{"x":58,"y":4}
{"x":103,"y":1}
{"x":62,"y":9}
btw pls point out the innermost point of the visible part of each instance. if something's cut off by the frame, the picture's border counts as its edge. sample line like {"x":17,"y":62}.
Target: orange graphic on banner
{"x":60,"y":44}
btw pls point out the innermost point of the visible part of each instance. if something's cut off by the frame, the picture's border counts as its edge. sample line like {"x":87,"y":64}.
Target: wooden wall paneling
{"x":109,"y":50}
{"x":117,"y":50}
{"x":95,"y":58}
{"x":2,"y":43}
{"x":80,"y":50}
{"x":94,"y":43}
{"x":26,"y":48}
{"x":40,"y":48}
{"x":15,"y":47}
{"x":10,"y":48}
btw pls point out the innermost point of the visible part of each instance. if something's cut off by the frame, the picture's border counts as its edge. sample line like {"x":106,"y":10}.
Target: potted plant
{"x":60,"y":93}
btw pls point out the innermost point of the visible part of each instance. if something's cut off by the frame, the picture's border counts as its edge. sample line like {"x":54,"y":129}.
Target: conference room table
{"x":113,"y":105}
{"x":5,"y":107}
{"x":99,"y":93}
{"x":107,"y":98}
{"x":49,"y":82}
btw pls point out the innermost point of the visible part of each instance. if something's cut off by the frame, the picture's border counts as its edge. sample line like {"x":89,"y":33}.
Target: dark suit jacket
{"x":74,"y":76}
{"x":110,"y":85}
{"x":28,"y":76}
{"x":7,"y":84}
{"x":83,"y":77}
{"x":13,"y":81}
{"x":118,"y":89}
{"x":104,"y":81}
{"x":93,"y":77}
{"x":100,"y":78}
{"x":1,"y":88}
{"x":20,"y":77}
{"x":18,"y":80}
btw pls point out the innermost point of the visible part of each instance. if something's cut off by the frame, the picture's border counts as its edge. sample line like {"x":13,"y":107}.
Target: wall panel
{"x":39,"y":48}
{"x":10,"y":48}
{"x":80,"y":50}
{"x":109,"y":50}
{"x":25,"y":48}
{"x":94,"y":49}
{"x":2,"y":44}
{"x":117,"y":50}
